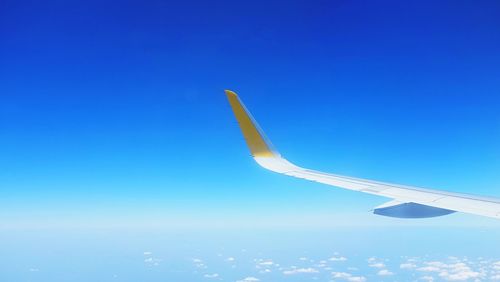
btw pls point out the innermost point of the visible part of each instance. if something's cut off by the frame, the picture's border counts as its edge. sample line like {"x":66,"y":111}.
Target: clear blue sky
{"x":120,"y":159}
{"x":114,"y":111}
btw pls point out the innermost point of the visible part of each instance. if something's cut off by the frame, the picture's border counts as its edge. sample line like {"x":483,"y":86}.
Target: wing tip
{"x":255,"y":138}
{"x":230,"y":93}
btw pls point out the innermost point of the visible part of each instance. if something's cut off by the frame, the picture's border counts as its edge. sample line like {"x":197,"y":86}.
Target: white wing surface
{"x":407,"y":201}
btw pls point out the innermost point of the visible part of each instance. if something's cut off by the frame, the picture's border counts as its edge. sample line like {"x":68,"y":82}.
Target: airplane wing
{"x":407,"y":201}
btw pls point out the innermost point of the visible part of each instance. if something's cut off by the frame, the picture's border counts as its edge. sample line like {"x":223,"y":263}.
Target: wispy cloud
{"x":198,"y":263}
{"x":303,"y":258}
{"x":429,"y":269}
{"x":211,"y":276}
{"x":377,"y":265}
{"x":264,"y":263}
{"x":249,"y":279}
{"x":267,"y":270}
{"x":407,"y":265}
{"x":348,"y":277}
{"x":300,"y":270}
{"x":455,"y":271}
{"x":459,"y":272}
{"x":152,"y":261}
{"x":337,"y":258}
{"x":419,"y":268}
{"x":385,"y":272}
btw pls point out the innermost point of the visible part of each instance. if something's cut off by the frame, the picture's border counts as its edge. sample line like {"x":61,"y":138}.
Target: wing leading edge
{"x":407,"y":201}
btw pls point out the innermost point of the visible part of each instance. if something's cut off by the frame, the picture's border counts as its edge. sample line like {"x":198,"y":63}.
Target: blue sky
{"x":113,"y":115}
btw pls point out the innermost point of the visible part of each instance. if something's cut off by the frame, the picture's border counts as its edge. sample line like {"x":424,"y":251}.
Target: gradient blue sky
{"x":120,"y":159}
{"x":114,"y":112}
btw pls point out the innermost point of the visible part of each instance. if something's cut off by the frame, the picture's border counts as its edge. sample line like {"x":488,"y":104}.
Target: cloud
{"x":152,"y":261}
{"x":341,"y":275}
{"x":457,"y":271}
{"x":496,"y":265}
{"x":211,"y":276}
{"x":337,"y":258}
{"x":148,"y":253}
{"x":249,"y":279}
{"x":429,"y":269}
{"x":356,"y":279}
{"x":459,"y":274}
{"x":348,"y":277}
{"x":300,"y":270}
{"x":199,"y":263}
{"x":436,"y":264}
{"x":407,"y":265}
{"x":385,"y":272}
{"x":377,"y":265}
{"x":449,"y":269}
{"x":264,"y":263}
{"x":267,"y":270}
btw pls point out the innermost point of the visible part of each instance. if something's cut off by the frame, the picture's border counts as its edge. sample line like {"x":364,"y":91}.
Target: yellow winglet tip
{"x":229,"y":92}
{"x":254,"y":138}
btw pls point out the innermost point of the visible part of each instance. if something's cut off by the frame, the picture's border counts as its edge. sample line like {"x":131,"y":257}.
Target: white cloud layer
{"x":419,"y":269}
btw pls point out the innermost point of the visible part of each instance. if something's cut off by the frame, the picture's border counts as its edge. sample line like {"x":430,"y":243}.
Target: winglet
{"x":259,"y":145}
